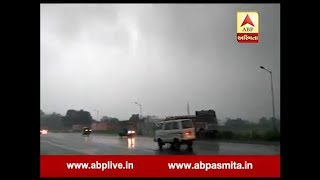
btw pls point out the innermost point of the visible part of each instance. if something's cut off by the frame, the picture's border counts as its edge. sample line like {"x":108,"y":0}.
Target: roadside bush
{"x":219,"y":135}
{"x":242,"y":136}
{"x":272,"y":136}
{"x":256,"y":135}
{"x":227,"y":134}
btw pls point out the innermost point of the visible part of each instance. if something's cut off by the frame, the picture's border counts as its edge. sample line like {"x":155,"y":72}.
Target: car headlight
{"x":129,"y":132}
{"x":133,"y":132}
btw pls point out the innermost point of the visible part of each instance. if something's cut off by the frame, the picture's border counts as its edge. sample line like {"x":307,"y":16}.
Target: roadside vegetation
{"x":242,"y":130}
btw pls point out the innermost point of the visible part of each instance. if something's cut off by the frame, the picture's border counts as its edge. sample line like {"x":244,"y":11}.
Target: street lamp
{"x":140,"y":108}
{"x":273,"y":109}
{"x":97,"y":114}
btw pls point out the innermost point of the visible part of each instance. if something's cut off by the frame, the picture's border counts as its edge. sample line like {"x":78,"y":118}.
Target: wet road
{"x":96,"y":144}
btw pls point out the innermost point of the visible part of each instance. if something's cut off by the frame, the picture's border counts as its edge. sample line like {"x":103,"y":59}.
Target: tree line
{"x":56,"y":121}
{"x":238,"y":123}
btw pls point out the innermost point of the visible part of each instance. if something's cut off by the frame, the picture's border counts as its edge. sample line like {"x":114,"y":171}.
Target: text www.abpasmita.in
{"x":98,"y":165}
{"x":210,"y":166}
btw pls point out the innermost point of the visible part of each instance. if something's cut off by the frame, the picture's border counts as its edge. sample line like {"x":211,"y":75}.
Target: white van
{"x":175,"y":132}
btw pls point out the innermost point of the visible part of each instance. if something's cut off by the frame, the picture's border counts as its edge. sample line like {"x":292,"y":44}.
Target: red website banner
{"x":159,"y":166}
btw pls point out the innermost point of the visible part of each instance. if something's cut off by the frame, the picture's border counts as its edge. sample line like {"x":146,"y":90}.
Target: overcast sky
{"x":108,"y":56}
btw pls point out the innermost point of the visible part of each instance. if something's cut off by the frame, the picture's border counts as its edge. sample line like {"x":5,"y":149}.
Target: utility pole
{"x":97,"y":114}
{"x":140,"y":108}
{"x":188,"y":109}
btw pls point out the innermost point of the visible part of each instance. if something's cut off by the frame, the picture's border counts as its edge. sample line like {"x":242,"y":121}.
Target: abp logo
{"x":247,"y":27}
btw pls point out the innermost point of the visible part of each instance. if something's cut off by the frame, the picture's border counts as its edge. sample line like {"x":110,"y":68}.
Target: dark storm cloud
{"x":161,"y":55}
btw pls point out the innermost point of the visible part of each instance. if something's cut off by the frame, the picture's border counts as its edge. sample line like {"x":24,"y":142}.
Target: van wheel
{"x":176,"y":144}
{"x":160,"y":144}
{"x":190,"y":145}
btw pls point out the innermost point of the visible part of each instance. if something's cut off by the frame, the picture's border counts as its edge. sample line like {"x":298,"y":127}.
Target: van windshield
{"x":187,"y":124}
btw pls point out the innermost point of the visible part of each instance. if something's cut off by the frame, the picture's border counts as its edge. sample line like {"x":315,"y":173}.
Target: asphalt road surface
{"x":98,"y":144}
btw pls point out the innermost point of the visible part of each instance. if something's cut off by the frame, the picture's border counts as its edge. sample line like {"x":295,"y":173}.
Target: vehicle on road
{"x":86,"y":131}
{"x":176,"y":132}
{"x":127,"y":133}
{"x":210,"y":131}
{"x":43,"y":131}
{"x":206,"y":123}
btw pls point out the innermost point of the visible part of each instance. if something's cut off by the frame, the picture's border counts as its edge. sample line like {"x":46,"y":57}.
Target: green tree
{"x":236,"y":122}
{"x":134,"y":117}
{"x":263,"y":121}
{"x":114,"y":120}
{"x":84,"y":118}
{"x":41,"y":112}
{"x":105,"y":119}
{"x":51,"y":121}
{"x":69,"y":119}
{"x":74,"y":117}
{"x":111,"y":120}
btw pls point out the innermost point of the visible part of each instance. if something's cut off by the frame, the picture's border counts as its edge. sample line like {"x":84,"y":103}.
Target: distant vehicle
{"x":86,"y":131}
{"x":43,"y":131}
{"x":175,"y":132}
{"x":128,"y":133}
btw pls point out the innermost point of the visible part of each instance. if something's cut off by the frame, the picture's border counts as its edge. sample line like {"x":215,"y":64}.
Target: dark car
{"x":86,"y":131}
{"x":127,"y":133}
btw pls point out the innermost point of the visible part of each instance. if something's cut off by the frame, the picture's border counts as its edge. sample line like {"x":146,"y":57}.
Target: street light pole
{"x":97,"y":114}
{"x":273,"y":109}
{"x":272,"y":93}
{"x":140,"y":108}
